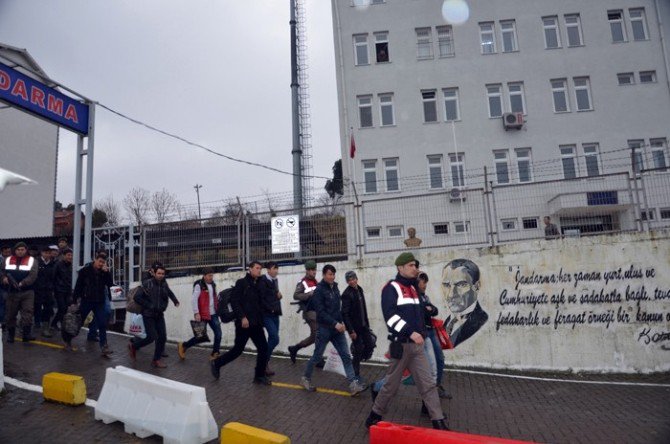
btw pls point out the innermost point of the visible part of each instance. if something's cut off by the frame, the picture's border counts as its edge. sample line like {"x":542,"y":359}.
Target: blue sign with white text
{"x":35,"y":97}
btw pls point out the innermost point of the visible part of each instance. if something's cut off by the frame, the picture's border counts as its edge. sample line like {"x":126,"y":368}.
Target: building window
{"x":516,"y":99}
{"x":508,"y":224}
{"x":508,"y":30}
{"x":395,"y":231}
{"x":582,"y":93}
{"x":665,"y":213}
{"x":424,"y":43}
{"x":524,"y":165}
{"x":361,"y":49}
{"x":616,"y":26}
{"x":529,"y":223}
{"x":382,"y":46}
{"x":626,"y":78}
{"x":591,"y":159}
{"x":435,"y":171}
{"x":552,"y":38}
{"x":461,"y":226}
{"x":364,"y":111}
{"x":647,"y":76}
{"x":445,"y":41}
{"x":647,"y":215}
{"x":573,"y":28}
{"x":451,"y":108}
{"x":487,"y":37}
{"x":638,"y":23}
{"x":559,"y":91}
{"x":658,"y":150}
{"x":457,"y":162}
{"x":568,"y":160}
{"x":391,"y":174}
{"x":495,"y":100}
{"x":637,"y":153}
{"x":373,"y":232}
{"x":429,"y":106}
{"x":501,"y":166}
{"x":386,"y":109}
{"x":441,"y":228}
{"x":370,"y":175}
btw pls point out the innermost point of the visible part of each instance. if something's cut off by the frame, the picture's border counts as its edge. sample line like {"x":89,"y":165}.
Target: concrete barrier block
{"x":238,"y":433}
{"x":389,"y":433}
{"x":150,"y":405}
{"x":64,"y":388}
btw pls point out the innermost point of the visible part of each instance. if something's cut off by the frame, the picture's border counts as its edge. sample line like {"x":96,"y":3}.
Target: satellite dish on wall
{"x":9,"y":178}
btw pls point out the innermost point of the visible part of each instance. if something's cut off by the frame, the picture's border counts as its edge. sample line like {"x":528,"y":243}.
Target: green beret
{"x":405,"y":258}
{"x":19,"y":245}
{"x":310,"y":265}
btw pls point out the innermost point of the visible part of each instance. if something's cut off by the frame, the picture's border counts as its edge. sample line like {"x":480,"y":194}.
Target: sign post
{"x":285,"y":234}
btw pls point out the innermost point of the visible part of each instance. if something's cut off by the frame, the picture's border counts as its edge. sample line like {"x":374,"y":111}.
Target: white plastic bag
{"x":334,"y":362}
{"x":137,"y":326}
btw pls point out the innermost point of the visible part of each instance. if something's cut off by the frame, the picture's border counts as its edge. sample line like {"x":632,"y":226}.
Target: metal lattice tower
{"x":303,"y":104}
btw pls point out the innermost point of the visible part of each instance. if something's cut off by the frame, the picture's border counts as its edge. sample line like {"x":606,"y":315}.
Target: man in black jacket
{"x":62,"y":286}
{"x":44,"y":289}
{"x":247,"y":305}
{"x":355,"y":315}
{"x":154,"y":301}
{"x":90,"y":291}
{"x":271,"y":309}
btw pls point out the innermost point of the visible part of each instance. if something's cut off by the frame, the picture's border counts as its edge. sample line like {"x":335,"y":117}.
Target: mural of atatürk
{"x":460,"y":286}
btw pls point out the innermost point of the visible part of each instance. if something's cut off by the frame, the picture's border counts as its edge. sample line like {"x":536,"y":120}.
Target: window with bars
{"x":441,"y":228}
{"x":529,"y":223}
{"x":647,"y":76}
{"x":626,"y":78}
{"x":424,"y":43}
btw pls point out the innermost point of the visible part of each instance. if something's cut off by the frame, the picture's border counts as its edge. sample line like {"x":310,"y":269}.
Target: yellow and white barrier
{"x":150,"y":405}
{"x":238,"y":433}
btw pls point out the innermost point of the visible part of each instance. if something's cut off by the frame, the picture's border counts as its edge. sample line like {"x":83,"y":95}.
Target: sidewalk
{"x":621,"y":409}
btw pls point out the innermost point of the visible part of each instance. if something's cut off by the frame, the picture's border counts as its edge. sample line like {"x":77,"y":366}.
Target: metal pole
{"x":76,"y":231}
{"x":487,"y":206}
{"x":295,"y":105}
{"x":130,"y":275}
{"x":197,"y":191}
{"x":88,"y":218}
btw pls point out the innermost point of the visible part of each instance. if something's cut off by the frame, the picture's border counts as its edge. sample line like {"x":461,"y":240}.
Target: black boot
{"x":373,"y":393}
{"x":424,"y":409}
{"x":373,"y":419}
{"x":293,"y":352}
{"x":11,"y":334}
{"x":440,"y":424}
{"x":27,"y":337}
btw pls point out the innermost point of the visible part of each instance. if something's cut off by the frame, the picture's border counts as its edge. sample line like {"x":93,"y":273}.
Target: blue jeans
{"x":215,"y":325}
{"x":93,"y":326}
{"x":324,"y":335}
{"x":433,"y":360}
{"x":99,"y":310}
{"x":439,"y":355}
{"x":271,"y":323}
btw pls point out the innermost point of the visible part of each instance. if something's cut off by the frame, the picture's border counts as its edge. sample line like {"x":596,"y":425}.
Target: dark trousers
{"x":44,"y":305}
{"x":242,"y":336}
{"x":63,"y":300}
{"x":99,"y":318}
{"x":156,"y":331}
{"x":23,"y":301}
{"x":216,"y":328}
{"x":309,"y":340}
{"x":361,"y":347}
{"x":3,"y":298}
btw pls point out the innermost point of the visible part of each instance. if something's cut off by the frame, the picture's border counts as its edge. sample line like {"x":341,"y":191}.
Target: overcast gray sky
{"x":214,"y":71}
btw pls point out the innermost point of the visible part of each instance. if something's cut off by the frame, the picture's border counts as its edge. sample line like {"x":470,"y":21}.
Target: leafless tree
{"x":137,"y":203}
{"x":164,"y":206}
{"x":112,"y":209}
{"x":329,"y":206}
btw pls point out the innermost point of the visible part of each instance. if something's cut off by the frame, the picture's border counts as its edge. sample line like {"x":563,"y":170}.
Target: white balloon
{"x":455,"y":12}
{"x":9,"y":178}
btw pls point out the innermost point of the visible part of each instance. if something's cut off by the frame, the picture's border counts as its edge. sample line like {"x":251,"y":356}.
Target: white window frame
{"x":524,"y":219}
{"x":572,"y":155}
{"x":424,"y":43}
{"x":659,"y":145}
{"x":367,"y":232}
{"x":591,"y":150}
{"x":551,"y":27}
{"x":391,"y":164}
{"x":652,"y":75}
{"x":563,"y":90}
{"x":665,"y":210}
{"x":499,"y":160}
{"x":457,"y":160}
{"x":461,"y":223}
{"x":524,"y":154}
{"x":577,"y":23}
{"x":639,"y":161}
{"x":513,"y":220}
{"x":620,"y":22}
{"x":445,"y":41}
{"x":454,"y":98}
{"x":381,"y":38}
{"x":386,"y":100}
{"x":358,"y":44}
{"x":435,"y":162}
{"x":488,"y":43}
{"x":520,"y":93}
{"x":512,"y":31}
{"x":493,"y":95}
{"x":445,"y":224}
{"x":365,"y":164}
{"x":642,"y":18}
{"x":426,"y":100}
{"x":626,"y":78}
{"x":395,"y":227}
{"x":361,"y":106}
{"x":586,"y":87}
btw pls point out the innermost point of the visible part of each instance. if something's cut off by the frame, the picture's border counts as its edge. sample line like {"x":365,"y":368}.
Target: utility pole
{"x":197,"y":191}
{"x":297,"y":149}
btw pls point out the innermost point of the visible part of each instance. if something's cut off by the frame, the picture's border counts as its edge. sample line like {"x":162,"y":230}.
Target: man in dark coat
{"x":44,"y":291}
{"x":355,"y":315}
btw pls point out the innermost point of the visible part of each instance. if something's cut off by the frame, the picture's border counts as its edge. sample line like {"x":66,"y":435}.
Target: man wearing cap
{"x":62,"y":286}
{"x":18,"y":273}
{"x":355,"y":314}
{"x":5,"y":251}
{"x":303,"y":294}
{"x":44,"y":291}
{"x":404,"y":318}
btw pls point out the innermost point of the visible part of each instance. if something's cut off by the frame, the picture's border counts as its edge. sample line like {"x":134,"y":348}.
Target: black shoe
{"x":424,"y":409}
{"x":165,"y":355}
{"x":373,"y":393}
{"x":321,"y":363}
{"x":215,"y":370}
{"x":293,"y":352}
{"x":262,"y":380}
{"x":11,"y":334}
{"x":440,"y":424}
{"x":27,"y":337}
{"x":372,"y":419}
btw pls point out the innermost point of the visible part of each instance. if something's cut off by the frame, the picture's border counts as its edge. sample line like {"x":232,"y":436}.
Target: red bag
{"x":442,"y":335}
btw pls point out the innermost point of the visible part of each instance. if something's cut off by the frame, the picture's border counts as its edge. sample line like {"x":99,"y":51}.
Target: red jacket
{"x":203,"y":300}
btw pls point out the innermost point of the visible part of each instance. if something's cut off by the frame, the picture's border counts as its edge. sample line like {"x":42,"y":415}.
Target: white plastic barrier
{"x":149,"y":405}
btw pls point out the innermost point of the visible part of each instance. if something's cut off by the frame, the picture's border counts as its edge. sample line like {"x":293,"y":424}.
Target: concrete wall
{"x":629,"y":334}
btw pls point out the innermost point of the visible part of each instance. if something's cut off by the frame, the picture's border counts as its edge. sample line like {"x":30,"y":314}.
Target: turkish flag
{"x":352,"y":147}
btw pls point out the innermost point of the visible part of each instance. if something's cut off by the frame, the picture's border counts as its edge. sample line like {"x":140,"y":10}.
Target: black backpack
{"x":224,"y":307}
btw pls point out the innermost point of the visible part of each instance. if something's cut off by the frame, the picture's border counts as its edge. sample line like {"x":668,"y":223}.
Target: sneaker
{"x":293,"y":353}
{"x":158,"y":364}
{"x":356,"y":387}
{"x":307,"y":384}
{"x":106,"y":351}
{"x":262,"y":380}
{"x":132,"y":351}
{"x":215,"y":370}
{"x":372,"y":419}
{"x":181,"y":351}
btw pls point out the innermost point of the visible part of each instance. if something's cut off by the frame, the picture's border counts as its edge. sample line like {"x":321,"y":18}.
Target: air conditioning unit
{"x":512,"y":121}
{"x":456,"y":195}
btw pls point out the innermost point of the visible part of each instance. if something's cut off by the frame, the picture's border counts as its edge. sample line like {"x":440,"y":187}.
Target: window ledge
{"x":489,"y":53}
{"x":549,"y":49}
{"x":431,"y":123}
{"x":383,"y":63}
{"x":585,"y":110}
{"x":366,"y":127}
{"x":449,"y":56}
{"x":421,"y":59}
{"x":388,"y":126}
{"x":449,"y":121}
{"x":362,"y":64}
{"x":562,"y":112}
{"x":511,"y":52}
{"x":576,"y":46}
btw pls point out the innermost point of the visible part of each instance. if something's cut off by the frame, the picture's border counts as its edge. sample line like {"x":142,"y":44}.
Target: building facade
{"x":583,"y":87}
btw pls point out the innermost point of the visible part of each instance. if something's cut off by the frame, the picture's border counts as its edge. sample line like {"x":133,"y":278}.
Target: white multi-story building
{"x":425,"y":100}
